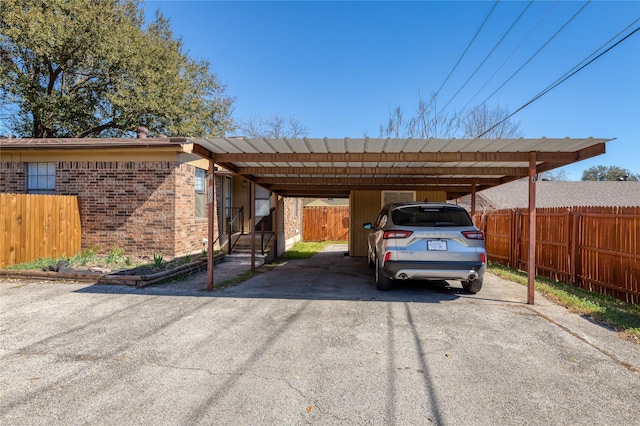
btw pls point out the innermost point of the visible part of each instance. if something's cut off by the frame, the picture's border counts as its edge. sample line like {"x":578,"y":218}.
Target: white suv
{"x":426,"y":241}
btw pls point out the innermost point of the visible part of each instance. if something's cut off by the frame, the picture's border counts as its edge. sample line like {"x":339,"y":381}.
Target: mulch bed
{"x":139,"y":276}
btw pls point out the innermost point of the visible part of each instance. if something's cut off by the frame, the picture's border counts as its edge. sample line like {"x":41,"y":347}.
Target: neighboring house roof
{"x":81,"y":143}
{"x":557,"y":194}
{"x":325,"y":202}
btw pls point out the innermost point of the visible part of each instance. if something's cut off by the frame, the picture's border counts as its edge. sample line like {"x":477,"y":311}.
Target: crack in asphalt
{"x":608,"y":354}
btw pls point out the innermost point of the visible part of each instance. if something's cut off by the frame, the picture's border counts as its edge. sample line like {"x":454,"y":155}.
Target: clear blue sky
{"x":339,"y":67}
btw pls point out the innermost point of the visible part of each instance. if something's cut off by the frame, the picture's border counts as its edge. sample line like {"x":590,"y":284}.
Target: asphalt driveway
{"x":310,"y":342}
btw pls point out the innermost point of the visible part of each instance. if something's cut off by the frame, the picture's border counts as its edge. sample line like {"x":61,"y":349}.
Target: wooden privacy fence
{"x":596,"y":248}
{"x":34,"y":226}
{"x":325,"y":223}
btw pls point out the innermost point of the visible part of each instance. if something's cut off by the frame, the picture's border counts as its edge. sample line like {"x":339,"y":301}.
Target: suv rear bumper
{"x":408,"y":270}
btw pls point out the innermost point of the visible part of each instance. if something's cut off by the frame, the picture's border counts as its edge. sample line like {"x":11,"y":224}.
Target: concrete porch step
{"x":242,"y":257}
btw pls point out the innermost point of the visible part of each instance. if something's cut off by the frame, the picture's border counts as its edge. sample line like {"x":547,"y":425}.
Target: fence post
{"x":515,"y":238}
{"x":575,"y":241}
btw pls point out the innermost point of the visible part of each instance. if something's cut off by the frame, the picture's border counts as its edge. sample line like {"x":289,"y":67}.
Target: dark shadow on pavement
{"x":328,"y":275}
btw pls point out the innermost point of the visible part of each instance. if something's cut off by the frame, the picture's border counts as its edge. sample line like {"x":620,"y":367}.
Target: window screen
{"x":41,"y":178}
{"x":201,"y":193}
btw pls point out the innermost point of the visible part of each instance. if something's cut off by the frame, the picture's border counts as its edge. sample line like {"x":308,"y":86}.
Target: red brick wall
{"x":128,"y":205}
{"x":189,"y":230}
{"x":144,"y":207}
{"x":13,"y":178}
{"x":292,"y":221}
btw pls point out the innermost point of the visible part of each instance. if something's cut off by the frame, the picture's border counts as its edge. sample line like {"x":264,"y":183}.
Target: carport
{"x":341,"y":168}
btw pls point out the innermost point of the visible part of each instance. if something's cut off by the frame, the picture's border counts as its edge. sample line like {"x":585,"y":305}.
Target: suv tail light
{"x":473,"y":235}
{"x":396,"y":234}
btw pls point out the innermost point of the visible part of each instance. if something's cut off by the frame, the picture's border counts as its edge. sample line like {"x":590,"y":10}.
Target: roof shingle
{"x":558,"y":194}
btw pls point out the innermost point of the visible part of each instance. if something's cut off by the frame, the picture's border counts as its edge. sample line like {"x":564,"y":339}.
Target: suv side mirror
{"x":367,"y":225}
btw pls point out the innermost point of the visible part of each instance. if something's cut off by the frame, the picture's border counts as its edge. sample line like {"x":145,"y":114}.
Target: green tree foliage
{"x":601,"y":172}
{"x":87,"y":68}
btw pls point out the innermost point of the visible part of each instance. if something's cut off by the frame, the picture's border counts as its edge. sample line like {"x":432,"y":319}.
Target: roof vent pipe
{"x":141,"y":132}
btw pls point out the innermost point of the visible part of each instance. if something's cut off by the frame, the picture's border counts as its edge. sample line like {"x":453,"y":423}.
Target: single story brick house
{"x":137,"y":187}
{"x":143,"y":195}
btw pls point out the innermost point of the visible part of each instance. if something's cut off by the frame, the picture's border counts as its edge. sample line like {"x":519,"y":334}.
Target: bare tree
{"x":426,"y":123}
{"x":557,"y":175}
{"x":490,"y":122}
{"x":297,"y":128}
{"x":394,"y":125}
{"x":275,"y":126}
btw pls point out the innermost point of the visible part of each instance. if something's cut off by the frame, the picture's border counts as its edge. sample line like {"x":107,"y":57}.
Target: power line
{"x":485,"y":59}
{"x":509,"y":57}
{"x":467,"y":48}
{"x":565,"y":77}
{"x":533,"y":56}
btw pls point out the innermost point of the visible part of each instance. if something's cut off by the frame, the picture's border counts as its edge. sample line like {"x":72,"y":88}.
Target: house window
{"x":41,"y":178}
{"x":263,"y":202}
{"x":201,"y":193}
{"x":227,"y":199}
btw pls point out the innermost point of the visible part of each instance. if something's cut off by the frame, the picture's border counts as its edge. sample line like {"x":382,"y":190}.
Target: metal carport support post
{"x":211,"y":183}
{"x":474,"y":185}
{"x":531,"y":266}
{"x":253,"y":224}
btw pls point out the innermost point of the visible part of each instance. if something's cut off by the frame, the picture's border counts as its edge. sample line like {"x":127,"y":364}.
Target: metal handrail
{"x":238,"y":215}
{"x":238,"y":218}
{"x":261,"y":224}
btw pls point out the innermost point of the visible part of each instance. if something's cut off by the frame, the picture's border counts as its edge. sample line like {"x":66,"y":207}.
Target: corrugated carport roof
{"x":324,"y":167}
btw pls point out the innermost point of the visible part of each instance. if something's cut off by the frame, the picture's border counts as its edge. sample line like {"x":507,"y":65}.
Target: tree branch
{"x":97,"y":130}
{"x":53,"y":76}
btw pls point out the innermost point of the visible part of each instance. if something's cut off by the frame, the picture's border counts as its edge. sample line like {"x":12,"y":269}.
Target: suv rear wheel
{"x":472,"y":286}
{"x":370,"y":263}
{"x":382,"y":283}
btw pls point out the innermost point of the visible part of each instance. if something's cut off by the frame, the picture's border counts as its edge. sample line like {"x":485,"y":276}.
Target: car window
{"x":430,"y":216}
{"x":382,"y":219}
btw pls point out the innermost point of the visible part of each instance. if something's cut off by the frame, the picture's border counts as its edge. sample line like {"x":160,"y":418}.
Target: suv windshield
{"x":431,"y":216}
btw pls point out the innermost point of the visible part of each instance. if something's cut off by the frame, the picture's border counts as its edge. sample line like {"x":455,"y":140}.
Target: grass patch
{"x":86,"y":256}
{"x":114,"y":259}
{"x":301,"y":250}
{"x":607,"y":310}
{"x":240,"y":278}
{"x":37,"y":264}
{"x":176,"y":278}
{"x":306,"y":249}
